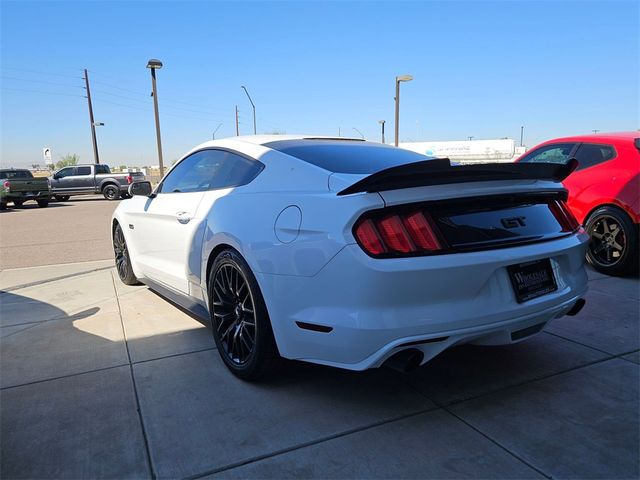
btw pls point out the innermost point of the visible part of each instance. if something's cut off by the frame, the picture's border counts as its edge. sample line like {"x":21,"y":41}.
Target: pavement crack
{"x":135,"y":387}
{"x":310,"y":443}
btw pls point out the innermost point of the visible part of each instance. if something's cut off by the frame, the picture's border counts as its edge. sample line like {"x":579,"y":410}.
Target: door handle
{"x":183,"y":217}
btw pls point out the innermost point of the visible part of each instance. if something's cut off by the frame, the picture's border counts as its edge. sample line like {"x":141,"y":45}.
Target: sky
{"x":480,"y":69}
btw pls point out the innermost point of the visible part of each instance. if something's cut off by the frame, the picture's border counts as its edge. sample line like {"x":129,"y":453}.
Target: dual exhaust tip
{"x":408,"y":360}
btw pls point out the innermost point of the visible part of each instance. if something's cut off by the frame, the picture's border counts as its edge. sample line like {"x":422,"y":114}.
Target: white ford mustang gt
{"x":351,"y":253}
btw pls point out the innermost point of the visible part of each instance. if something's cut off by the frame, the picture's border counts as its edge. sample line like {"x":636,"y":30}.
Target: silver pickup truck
{"x":91,"y":179}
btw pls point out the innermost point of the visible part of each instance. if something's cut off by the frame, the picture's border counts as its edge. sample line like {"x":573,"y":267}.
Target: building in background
{"x":469,"y":151}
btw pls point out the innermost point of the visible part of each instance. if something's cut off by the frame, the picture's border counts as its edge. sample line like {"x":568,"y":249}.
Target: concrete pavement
{"x":103,"y":380}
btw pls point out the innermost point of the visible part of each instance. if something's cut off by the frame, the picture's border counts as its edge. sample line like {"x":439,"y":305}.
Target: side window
{"x":66,"y":172}
{"x":210,"y":170}
{"x":83,"y":170}
{"x":193,"y":174}
{"x":557,"y":153}
{"x":102,"y":169}
{"x":234,"y":170}
{"x":590,"y":154}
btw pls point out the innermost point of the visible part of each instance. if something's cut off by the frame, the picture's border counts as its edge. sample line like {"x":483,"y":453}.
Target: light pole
{"x":216,"y":130}
{"x":471,"y":138}
{"x":401,"y":78}
{"x":254,"y":109}
{"x":154,"y":65}
{"x":359,"y":132}
{"x":521,"y":135}
{"x":382,"y":122}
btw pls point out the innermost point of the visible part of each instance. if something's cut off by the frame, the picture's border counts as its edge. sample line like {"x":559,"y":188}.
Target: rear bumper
{"x":8,"y":197}
{"x":375,"y":306}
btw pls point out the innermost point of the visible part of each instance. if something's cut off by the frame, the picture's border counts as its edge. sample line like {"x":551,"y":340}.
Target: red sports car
{"x":603,"y":193}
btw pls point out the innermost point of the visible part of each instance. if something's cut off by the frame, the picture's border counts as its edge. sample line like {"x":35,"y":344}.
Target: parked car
{"x":350,"y":253}
{"x":19,"y":186}
{"x":91,"y":179}
{"x":603,"y":193}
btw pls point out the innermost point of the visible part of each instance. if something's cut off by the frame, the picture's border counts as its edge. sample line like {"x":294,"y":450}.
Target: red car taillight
{"x":399,"y":233}
{"x":7,"y":185}
{"x":564,"y":216}
{"x":129,"y":179}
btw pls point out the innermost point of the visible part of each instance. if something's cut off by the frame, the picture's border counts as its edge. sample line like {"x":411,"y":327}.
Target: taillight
{"x":564,"y":216}
{"x":129,"y":179}
{"x":7,"y":185}
{"x":397,"y":234}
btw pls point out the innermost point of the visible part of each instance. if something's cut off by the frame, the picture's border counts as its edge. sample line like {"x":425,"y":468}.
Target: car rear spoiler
{"x":439,"y":171}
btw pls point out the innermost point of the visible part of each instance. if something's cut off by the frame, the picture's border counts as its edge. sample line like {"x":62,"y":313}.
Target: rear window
{"x":9,"y":174}
{"x":344,"y":156}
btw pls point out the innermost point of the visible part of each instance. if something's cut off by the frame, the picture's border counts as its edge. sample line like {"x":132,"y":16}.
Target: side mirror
{"x":55,"y":176}
{"x":140,"y":188}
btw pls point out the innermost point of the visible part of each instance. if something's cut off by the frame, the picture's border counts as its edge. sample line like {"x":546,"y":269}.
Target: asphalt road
{"x":64,"y":232}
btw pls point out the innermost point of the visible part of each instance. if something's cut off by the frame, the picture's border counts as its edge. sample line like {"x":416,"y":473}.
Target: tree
{"x":68,"y":160}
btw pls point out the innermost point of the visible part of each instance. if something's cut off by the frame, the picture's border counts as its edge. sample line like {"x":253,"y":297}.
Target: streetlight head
{"x":404,"y":78}
{"x":154,"y":64}
{"x":381,"y":122}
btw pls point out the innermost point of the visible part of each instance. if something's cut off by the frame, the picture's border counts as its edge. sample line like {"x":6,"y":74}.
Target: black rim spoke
{"x":233,"y":314}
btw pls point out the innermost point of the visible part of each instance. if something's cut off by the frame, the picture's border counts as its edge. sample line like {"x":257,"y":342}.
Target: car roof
{"x":594,"y":137}
{"x":264,"y":139}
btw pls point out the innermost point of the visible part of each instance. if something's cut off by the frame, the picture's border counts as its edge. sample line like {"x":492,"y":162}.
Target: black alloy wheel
{"x":239,"y":318}
{"x":614,"y":242}
{"x":43,"y":203}
{"x":234,"y":313}
{"x":62,"y":198}
{"x":123,"y":262}
{"x":18,"y":202}
{"x":111,"y":192}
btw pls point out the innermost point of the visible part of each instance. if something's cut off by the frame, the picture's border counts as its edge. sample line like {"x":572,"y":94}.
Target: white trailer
{"x":469,"y":151}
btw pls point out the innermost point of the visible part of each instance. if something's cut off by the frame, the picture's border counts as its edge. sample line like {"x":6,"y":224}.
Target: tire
{"x":62,"y":198}
{"x":613,"y":249}
{"x":43,"y":203}
{"x":3,"y":205}
{"x":239,"y":319}
{"x":125,"y":195}
{"x":111,"y":192}
{"x":122,"y":258}
{"x":18,"y":202}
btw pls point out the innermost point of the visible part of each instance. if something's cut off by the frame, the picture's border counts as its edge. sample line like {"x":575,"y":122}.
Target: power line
{"x":41,"y":92}
{"x":41,"y":73}
{"x":40,"y":81}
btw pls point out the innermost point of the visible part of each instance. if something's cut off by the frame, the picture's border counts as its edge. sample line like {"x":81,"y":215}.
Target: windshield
{"x":347,"y":156}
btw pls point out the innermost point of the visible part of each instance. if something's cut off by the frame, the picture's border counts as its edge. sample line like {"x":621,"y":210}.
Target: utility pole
{"x":96,"y":159}
{"x":521,"y":135}
{"x":382,"y":122}
{"x":339,"y":132}
{"x":237,"y":124}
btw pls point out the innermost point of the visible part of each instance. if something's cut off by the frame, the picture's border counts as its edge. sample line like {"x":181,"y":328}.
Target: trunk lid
{"x":471,"y":207}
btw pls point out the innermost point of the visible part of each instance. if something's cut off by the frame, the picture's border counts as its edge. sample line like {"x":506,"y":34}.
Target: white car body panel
{"x":296,"y":235}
